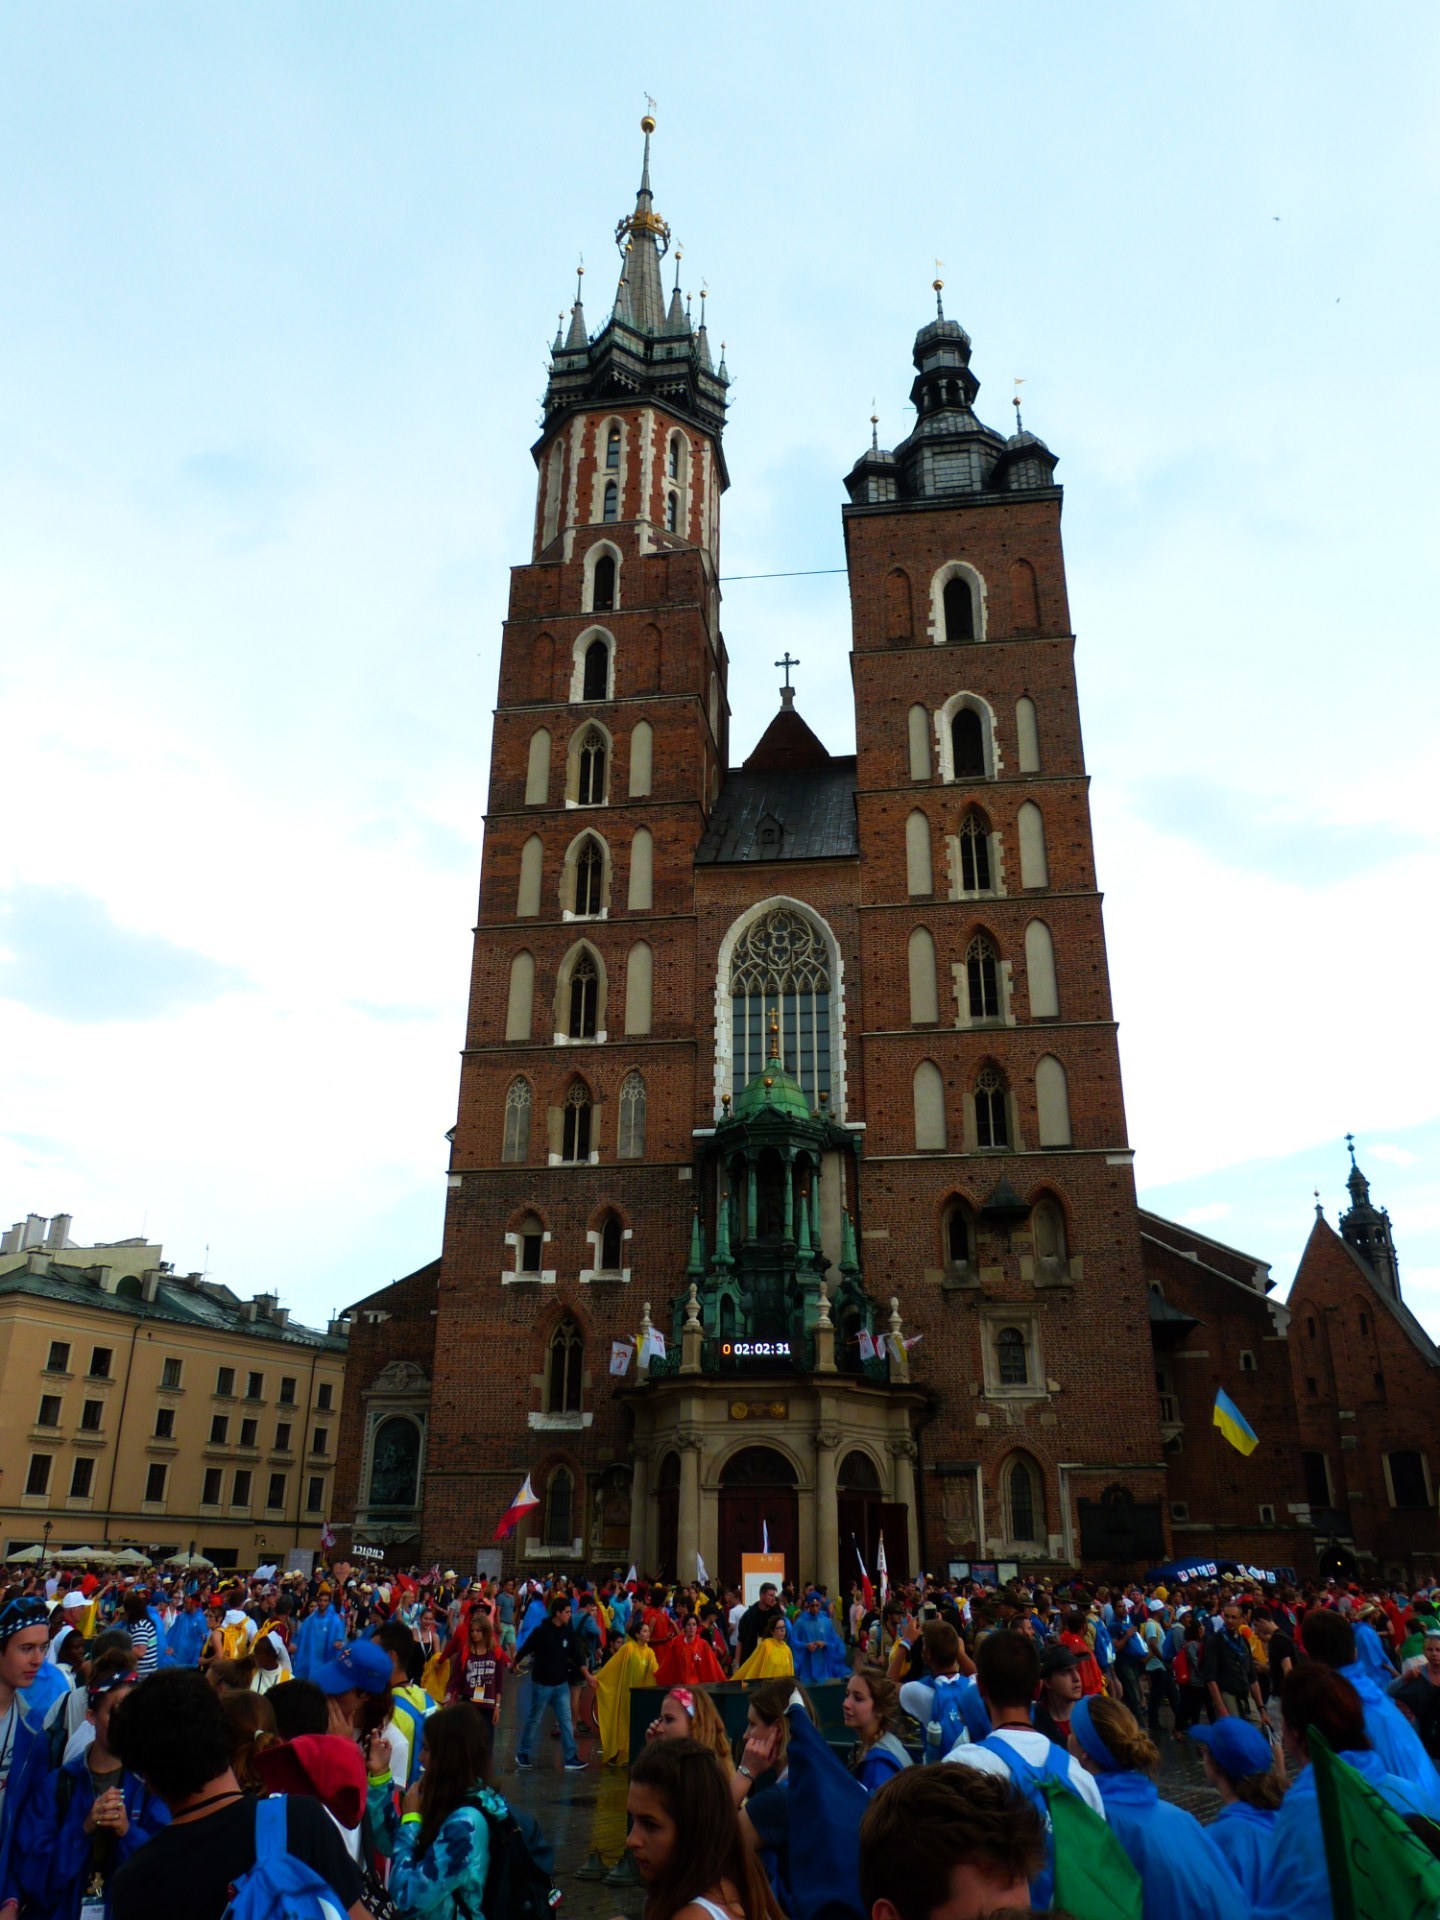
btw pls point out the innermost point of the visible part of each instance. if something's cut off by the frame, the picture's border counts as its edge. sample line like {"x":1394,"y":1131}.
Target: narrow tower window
{"x":611,"y":510}
{"x":1010,"y":1357}
{"x":584,"y":1005}
{"x":672,"y":513}
{"x":567,"y":1356}
{"x":603,"y":597}
{"x":575,"y":1138}
{"x":612,"y":453}
{"x":974,"y":855}
{"x":632,"y":1118}
{"x":589,"y":879}
{"x":967,"y":743}
{"x":982,"y":978}
{"x":592,"y":768}
{"x":675,"y":457}
{"x":612,"y":1240}
{"x":992,"y":1124}
{"x":959,"y":611}
{"x":595,"y":684}
{"x":517,"y":1122}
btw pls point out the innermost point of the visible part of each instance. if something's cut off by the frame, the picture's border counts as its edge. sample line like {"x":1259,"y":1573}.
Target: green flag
{"x":1095,"y":1878}
{"x":1379,"y":1869}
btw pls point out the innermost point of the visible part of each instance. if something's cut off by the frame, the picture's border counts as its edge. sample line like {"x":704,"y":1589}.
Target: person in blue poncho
{"x":1240,"y":1766}
{"x":1183,"y":1874}
{"x":189,"y":1631}
{"x":1330,"y":1639}
{"x":1297,"y":1884}
{"x":818,"y":1649}
{"x":536,"y":1614}
{"x":315,"y":1643}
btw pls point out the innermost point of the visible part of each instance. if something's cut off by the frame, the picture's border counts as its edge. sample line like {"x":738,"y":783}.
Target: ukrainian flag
{"x":1233,"y":1424}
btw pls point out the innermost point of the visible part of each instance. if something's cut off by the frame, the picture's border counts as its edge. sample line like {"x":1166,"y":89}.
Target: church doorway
{"x":758,"y":1496}
{"x":667,"y":1518}
{"x":865,"y":1516}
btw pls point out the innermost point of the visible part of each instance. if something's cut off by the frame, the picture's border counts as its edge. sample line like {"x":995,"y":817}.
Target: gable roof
{"x":804,"y":812}
{"x":1324,"y":1233}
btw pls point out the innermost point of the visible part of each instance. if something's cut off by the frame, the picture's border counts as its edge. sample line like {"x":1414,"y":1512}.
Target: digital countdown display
{"x":755,"y":1349}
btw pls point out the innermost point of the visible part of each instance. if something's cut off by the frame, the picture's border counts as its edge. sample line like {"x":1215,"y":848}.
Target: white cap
{"x":74,"y":1600}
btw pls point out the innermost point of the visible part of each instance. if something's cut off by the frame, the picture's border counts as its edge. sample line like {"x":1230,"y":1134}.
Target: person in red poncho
{"x":688,"y":1661}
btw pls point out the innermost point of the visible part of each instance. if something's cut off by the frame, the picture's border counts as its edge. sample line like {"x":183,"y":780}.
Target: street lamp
{"x":45,"y":1549}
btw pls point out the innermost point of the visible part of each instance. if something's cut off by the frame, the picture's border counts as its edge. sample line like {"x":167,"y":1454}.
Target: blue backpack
{"x":416,"y":1730}
{"x":945,"y":1710}
{"x":1027,"y":1779}
{"x":278,"y":1886}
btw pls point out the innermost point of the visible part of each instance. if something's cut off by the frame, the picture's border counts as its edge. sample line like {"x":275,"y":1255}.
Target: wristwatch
{"x":745,"y":1773}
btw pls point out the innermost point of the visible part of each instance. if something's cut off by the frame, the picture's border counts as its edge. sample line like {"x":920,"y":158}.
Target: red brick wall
{"x":407,"y":1332}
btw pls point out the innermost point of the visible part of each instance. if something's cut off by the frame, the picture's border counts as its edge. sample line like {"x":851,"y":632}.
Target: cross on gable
{"x":787,"y":663}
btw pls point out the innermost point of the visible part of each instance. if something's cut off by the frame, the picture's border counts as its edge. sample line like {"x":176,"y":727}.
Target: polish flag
{"x":866,"y":1588}
{"x":524,"y":1500}
{"x":327,"y":1538}
{"x":883,"y":1570}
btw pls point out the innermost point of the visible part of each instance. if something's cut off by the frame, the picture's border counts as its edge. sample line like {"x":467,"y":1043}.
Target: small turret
{"x":1366,"y":1228}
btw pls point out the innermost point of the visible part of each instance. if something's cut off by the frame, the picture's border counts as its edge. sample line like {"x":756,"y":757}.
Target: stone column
{"x":640,"y":1509}
{"x":902,"y":1451}
{"x":687,"y":1543}
{"x":827,"y":1510}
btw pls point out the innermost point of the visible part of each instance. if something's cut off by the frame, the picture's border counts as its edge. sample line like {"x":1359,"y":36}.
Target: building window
{"x":612,"y":1242}
{"x":156,"y":1474}
{"x":1023,"y":1501}
{"x":255,"y":1386}
{"x":249,"y":1433}
{"x":612,"y":452}
{"x":672,"y":513}
{"x":82,"y":1479}
{"x":631,"y":1143}
{"x":1180,"y":1510}
{"x":275,"y":1492}
{"x":563,"y":1374}
{"x":219,"y":1429}
{"x":37,"y":1479}
{"x":101,"y":1360}
{"x":288,"y":1383}
{"x":967,"y":743}
{"x":595,"y":682}
{"x":1407,"y":1480}
{"x":395,"y":1463}
{"x":240,"y":1492}
{"x":584,"y":1004}
{"x":590,"y":791}
{"x":982,"y":979}
{"x":1012,"y":1362}
{"x":611,"y":510}
{"x":927,"y":1090}
{"x":530,"y":1246}
{"x":1317,"y":1477}
{"x":992,"y":1125}
{"x":602,"y":592}
{"x":516,"y":1145}
{"x":589,"y":879}
{"x":315,"y":1494}
{"x":575,"y":1140}
{"x":225,"y":1383}
{"x":320,"y":1440}
{"x":974,"y":854}
{"x":164,"y":1423}
{"x":49,"y":1414}
{"x":1247,"y":1360}
{"x":1047,"y":1226}
{"x":282,"y":1437}
{"x":1312,"y":1385}
{"x":959,"y":1236}
{"x":1364,"y":1323}
{"x":675,"y":457}
{"x":1267,"y":1516}
{"x":91,"y":1414}
{"x":1379,"y":1380}
{"x":59,"y":1360}
{"x":170,"y":1374}
{"x":781,"y":961}
{"x":559,"y":1508}
{"x":959,"y":611}
{"x":325,"y":1397}
{"x":210,"y":1487}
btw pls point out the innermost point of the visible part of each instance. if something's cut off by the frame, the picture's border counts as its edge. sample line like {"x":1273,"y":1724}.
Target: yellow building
{"x":145,"y":1408}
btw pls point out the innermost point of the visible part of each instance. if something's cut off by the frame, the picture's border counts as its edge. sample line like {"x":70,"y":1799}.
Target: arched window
{"x":592,"y":758}
{"x":560,"y":1508}
{"x":537,"y":769}
{"x":1012,"y":1359}
{"x":959,"y":608}
{"x":929,"y":1096}
{"x":565,"y":1368}
{"x":575,"y":1131}
{"x":520,"y":1003}
{"x":642,"y":752}
{"x":1034,"y":871}
{"x":395,"y":1463}
{"x":672,"y":513}
{"x":530,"y":1247}
{"x":602,"y":594}
{"x":924,"y":998}
{"x":1047,"y":1226}
{"x":919,"y":878}
{"x":1024,"y":597}
{"x":967,"y":742}
{"x":612,"y":449}
{"x":781,"y":961}
{"x":596,"y":683}
{"x":639,"y":988}
{"x":584,"y":1007}
{"x":532,"y":855}
{"x":974,"y":854}
{"x":959,"y":1236}
{"x":1040,"y":972}
{"x":982,"y":979}
{"x":612,"y":1243}
{"x":919,"y":742}
{"x":642,"y":871}
{"x":1024,"y":1501}
{"x":992,"y":1120}
{"x":589,"y":866}
{"x":677,"y":457}
{"x":611,"y":510}
{"x":1027,"y":734}
{"x":516,"y":1147}
{"x":1052,"y":1103}
{"x":631,"y":1140}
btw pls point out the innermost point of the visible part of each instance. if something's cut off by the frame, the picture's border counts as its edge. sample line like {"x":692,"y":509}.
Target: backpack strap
{"x":272,"y":1839}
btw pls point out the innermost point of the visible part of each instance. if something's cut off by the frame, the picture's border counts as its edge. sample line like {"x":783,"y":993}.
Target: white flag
{"x":621,"y":1354}
{"x":630,"y":1576}
{"x":765,"y":1536}
{"x":654,"y":1347}
{"x":881,"y":1568}
{"x":700,"y":1574}
{"x":867,"y":1346}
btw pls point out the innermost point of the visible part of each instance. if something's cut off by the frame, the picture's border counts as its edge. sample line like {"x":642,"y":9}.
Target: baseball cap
{"x":1236,"y":1746}
{"x":1057,"y":1660}
{"x":363,"y":1668}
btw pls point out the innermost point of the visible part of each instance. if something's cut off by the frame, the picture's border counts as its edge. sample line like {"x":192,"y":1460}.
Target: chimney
{"x":13,"y":1236}
{"x":58,"y":1238}
{"x":339,"y":1329}
{"x":250,"y":1309}
{"x":105,"y":1278}
{"x":37,"y":1262}
{"x":150,"y":1284}
{"x":35,"y":1225}
{"x":280,"y":1315}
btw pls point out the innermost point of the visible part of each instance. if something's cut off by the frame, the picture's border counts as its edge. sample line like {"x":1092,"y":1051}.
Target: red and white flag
{"x":866,"y":1588}
{"x":867,"y":1345}
{"x":524,"y":1500}
{"x":327,"y":1538}
{"x":621,"y":1354}
{"x":882,"y":1570}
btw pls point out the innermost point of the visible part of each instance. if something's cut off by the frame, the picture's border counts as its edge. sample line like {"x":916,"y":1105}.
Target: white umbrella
{"x":26,"y":1557}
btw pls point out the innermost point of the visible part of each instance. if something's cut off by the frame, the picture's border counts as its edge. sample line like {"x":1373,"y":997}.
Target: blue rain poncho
{"x":827,"y":1662}
{"x":1297,"y":1885}
{"x":1183,"y":1873}
{"x":1246,"y":1837}
{"x":1396,"y":1742}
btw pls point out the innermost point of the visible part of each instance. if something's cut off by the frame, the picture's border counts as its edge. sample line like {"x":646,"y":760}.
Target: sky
{"x":279,"y":284}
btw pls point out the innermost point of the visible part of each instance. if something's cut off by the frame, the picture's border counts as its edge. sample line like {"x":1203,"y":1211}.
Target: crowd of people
{"x":318,"y":1745}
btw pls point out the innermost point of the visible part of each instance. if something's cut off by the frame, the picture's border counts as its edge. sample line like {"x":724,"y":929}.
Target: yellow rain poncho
{"x":771,"y":1660}
{"x":633,"y":1666}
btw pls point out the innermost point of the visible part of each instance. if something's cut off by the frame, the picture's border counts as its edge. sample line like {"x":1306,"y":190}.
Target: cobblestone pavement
{"x":584,"y":1814}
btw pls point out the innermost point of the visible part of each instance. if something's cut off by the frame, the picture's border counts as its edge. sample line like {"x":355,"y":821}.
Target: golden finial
{"x":647,"y":120}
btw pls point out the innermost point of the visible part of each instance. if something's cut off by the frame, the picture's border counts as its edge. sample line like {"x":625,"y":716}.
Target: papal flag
{"x":1233,"y":1424}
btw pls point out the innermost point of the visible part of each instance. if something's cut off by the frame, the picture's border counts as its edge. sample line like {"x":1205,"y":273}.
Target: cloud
{"x":1202,"y":1216}
{"x":1393,"y":1155}
{"x":62,"y":954}
{"x":1252,"y":832}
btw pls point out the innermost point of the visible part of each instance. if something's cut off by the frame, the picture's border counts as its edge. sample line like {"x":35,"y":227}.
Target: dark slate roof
{"x":790,"y":813}
{"x":202,"y":1304}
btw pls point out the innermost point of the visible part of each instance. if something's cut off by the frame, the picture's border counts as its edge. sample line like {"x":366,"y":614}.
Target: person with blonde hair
{"x":1183,"y":1874}
{"x":871,"y":1709}
{"x":688,"y":1714}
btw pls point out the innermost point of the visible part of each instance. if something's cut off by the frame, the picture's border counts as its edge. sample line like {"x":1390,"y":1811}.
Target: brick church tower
{"x":792,"y":1060}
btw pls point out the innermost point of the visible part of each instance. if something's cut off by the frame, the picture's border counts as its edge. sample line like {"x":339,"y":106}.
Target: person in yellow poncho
{"x":633,"y":1665}
{"x":772,"y":1658}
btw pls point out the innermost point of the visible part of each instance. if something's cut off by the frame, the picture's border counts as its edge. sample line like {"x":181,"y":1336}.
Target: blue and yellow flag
{"x":1233,"y":1424}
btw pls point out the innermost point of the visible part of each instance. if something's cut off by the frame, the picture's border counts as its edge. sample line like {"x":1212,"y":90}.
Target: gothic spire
{"x":643,"y":239}
{"x":1366,"y":1228}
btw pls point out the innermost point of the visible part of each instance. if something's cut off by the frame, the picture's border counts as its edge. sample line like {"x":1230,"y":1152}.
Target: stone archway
{"x":758,"y":1494}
